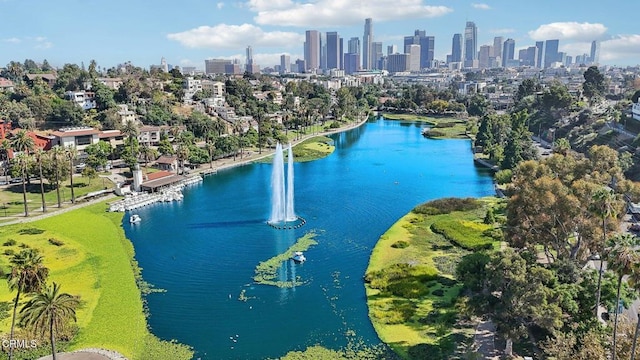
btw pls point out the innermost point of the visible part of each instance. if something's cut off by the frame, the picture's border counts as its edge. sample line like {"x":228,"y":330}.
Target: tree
{"x":593,"y":85}
{"x":58,"y":162}
{"x":562,"y":146}
{"x":634,"y":280}
{"x":39,"y":156}
{"x":23,"y":143}
{"x":622,"y":257}
{"x":28,"y":275}
{"x":478,"y":105}
{"x":604,"y":206}
{"x":98,"y":154}
{"x":71,"y":153}
{"x":49,"y":311}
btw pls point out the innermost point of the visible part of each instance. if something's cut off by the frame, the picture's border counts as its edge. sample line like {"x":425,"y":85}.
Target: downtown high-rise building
{"x":312,"y":50}
{"x":392,"y":49}
{"x":353,"y":46}
{"x":484,"y":57}
{"x":539,"y":53}
{"x":594,"y":57}
{"x":528,"y":56}
{"x":456,"y":48}
{"x":334,"y":54}
{"x":413,"y":50}
{"x":376,"y":54}
{"x":551,"y":54}
{"x":351,"y":63}
{"x":285,"y":63}
{"x":508,"y":51}
{"x":497,"y":47}
{"x":367,"y":39}
{"x":470,"y":44}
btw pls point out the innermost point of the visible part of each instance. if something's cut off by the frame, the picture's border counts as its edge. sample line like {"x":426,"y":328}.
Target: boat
{"x":135,"y":218}
{"x":298,"y":257}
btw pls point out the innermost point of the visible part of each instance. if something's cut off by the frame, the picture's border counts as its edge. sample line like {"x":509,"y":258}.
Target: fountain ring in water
{"x":289,"y":224}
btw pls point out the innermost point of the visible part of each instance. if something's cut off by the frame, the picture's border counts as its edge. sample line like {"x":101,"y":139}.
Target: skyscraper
{"x":353,"y":46}
{"x":456,"y":48}
{"x":470,"y":44}
{"x":392,"y":49}
{"x":312,"y":49}
{"x":483,"y":56}
{"x":595,"y":52}
{"x":367,"y":39}
{"x":497,"y":47}
{"x":508,"y":51}
{"x":427,"y":44}
{"x":540,"y":52}
{"x":285,"y":63}
{"x":249,"y":56}
{"x":333,"y":50}
{"x":351,"y":63}
{"x":551,"y":52}
{"x":376,"y":54}
{"x":414,"y":57}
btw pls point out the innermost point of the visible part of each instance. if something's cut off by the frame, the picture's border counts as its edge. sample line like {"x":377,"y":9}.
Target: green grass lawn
{"x":443,"y":127}
{"x":95,"y":263}
{"x":12,"y":205}
{"x":411,"y":286}
{"x":311,"y":149}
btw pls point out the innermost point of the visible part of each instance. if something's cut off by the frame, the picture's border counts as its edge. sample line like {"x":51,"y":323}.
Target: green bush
{"x":434,"y":133}
{"x":447,"y":205}
{"x":400,"y":244}
{"x":31,"y":231}
{"x":461,"y":235}
{"x":10,"y":242}
{"x":503,"y":176}
{"x":55,"y":242}
{"x":445,"y":125}
{"x":9,"y":252}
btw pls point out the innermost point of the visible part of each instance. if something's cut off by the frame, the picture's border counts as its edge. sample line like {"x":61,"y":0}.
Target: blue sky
{"x":187,"y":32}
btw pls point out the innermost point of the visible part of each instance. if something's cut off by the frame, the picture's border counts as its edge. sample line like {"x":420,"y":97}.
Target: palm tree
{"x":23,"y":143}
{"x":71,"y":155}
{"x":634,"y":281}
{"x":57,"y":155}
{"x":622,"y":257}
{"x":28,"y":275}
{"x":604,"y":206}
{"x":39,"y":154}
{"x":5,"y":147}
{"x":49,"y":311}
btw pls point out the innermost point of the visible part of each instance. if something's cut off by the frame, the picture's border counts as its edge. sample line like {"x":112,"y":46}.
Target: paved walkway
{"x":484,"y":340}
{"x":87,"y":354}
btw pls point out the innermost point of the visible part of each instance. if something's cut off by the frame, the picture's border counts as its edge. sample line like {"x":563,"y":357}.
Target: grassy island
{"x":314,"y":148}
{"x":442,"y":127}
{"x":266,"y":271}
{"x":410,"y":281}
{"x":88,"y":254}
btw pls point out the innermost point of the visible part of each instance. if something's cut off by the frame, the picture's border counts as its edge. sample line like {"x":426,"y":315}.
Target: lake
{"x":203,"y":251}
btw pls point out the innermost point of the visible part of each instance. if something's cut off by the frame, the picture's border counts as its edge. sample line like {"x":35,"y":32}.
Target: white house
{"x":85,"y":99}
{"x":78,"y":137}
{"x":635,"y":111}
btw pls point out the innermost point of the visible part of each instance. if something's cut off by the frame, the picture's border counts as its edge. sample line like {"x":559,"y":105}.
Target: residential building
{"x":78,"y":137}
{"x":188,"y":70}
{"x":312,"y":50}
{"x":85,"y":99}
{"x":6,"y":84}
{"x":635,"y":111}
{"x":126,"y":115}
{"x":470,"y":44}
{"x":49,"y":79}
{"x":367,"y":40}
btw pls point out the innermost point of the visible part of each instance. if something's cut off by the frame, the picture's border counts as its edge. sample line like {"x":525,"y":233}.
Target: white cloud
{"x":621,"y":47}
{"x":44,"y":45}
{"x":326,"y":13}
{"x":235,"y":36}
{"x":13,"y":40}
{"x":569,"y":31}
{"x":481,"y":6}
{"x":220,"y":5}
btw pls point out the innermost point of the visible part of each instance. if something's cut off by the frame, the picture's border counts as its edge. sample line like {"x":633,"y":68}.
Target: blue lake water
{"x":204,"y":250}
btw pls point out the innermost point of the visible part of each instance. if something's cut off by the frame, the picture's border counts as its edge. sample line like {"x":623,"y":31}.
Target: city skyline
{"x":200,"y":29}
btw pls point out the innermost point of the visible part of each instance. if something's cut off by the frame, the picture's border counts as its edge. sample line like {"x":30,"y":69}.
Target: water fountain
{"x":282,"y":205}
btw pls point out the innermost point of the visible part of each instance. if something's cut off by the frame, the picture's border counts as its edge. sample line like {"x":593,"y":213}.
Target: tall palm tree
{"x":604,"y":206}
{"x":28,"y":275}
{"x":23,"y":143}
{"x":71,"y":155}
{"x":49,"y":311}
{"x":5,"y":147}
{"x":57,"y":155}
{"x":634,"y":281}
{"x":622,"y":257}
{"x":39,"y":155}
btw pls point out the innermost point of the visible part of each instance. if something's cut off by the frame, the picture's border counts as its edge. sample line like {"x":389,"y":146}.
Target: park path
{"x":484,"y":340}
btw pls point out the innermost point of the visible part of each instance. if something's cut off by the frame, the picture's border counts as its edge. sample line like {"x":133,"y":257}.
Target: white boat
{"x":298,"y":257}
{"x":135,"y":218}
